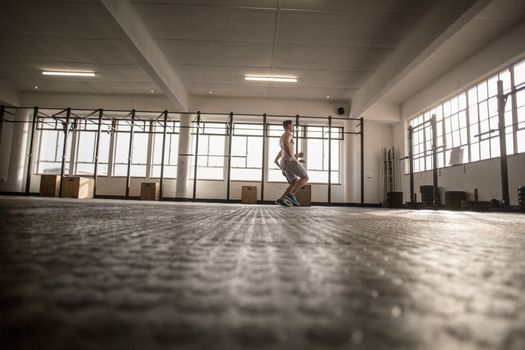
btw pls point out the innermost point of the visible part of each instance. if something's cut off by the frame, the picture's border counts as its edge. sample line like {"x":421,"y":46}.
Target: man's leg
{"x":298,"y":184}
{"x":290,"y":187}
{"x":299,"y":171}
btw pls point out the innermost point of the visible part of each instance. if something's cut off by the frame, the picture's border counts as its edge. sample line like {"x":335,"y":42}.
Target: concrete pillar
{"x":352,"y":163}
{"x":19,"y":146}
{"x":184,"y":159}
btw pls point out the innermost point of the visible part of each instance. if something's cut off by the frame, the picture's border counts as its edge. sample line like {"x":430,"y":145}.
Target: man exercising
{"x":293,"y":170}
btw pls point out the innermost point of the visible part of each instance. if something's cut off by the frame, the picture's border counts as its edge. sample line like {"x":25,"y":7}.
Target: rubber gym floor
{"x":113,"y":274}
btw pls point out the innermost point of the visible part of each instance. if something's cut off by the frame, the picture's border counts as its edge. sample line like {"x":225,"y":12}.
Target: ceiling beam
{"x":439,"y":25}
{"x":145,"y":49}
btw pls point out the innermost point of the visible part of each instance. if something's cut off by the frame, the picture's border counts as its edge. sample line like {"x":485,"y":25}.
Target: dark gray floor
{"x":135,"y":275}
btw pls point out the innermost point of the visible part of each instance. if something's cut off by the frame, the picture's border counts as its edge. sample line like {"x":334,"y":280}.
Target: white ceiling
{"x":332,"y":46}
{"x":493,"y":20}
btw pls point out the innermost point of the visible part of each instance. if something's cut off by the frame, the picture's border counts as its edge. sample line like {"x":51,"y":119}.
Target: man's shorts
{"x":293,"y":170}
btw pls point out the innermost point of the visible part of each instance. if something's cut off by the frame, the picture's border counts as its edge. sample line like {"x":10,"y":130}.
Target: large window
{"x":211,"y":151}
{"x":247,"y":142}
{"x":317,"y":153}
{"x":171,"y":150}
{"x":469,"y":123}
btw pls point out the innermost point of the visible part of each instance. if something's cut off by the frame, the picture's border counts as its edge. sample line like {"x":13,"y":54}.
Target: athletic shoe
{"x":292,"y":198}
{"x":284,"y":202}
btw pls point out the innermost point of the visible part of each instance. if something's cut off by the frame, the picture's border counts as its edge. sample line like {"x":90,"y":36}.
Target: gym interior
{"x":138,"y":180}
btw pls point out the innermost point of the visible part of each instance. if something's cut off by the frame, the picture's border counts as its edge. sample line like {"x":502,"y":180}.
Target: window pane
{"x":208,"y":173}
{"x":49,"y":147}
{"x":254,"y":152}
{"x":140,"y":148}
{"x":493,"y":86}
{"x":275,"y":130}
{"x":482,"y":91}
{"x":335,"y":155}
{"x":122,"y":149}
{"x":493,"y":106}
{"x":174,"y":150}
{"x":203,"y":145}
{"x":314,"y":157}
{"x":520,"y":98}
{"x":246,"y":174}
{"x":239,"y":146}
{"x":462,"y":100}
{"x":216,"y":145}
{"x":485,"y":149}
{"x":273,"y":150}
{"x":472,"y":97}
{"x":521,"y":141}
{"x":505,"y":77}
{"x":248,"y":129}
{"x":473,"y":114}
{"x":474,"y":152}
{"x":318,"y":176}
{"x":238,"y":162}
{"x":519,"y":73}
{"x":276,"y":175}
{"x":85,"y":153}
{"x":483,"y":111}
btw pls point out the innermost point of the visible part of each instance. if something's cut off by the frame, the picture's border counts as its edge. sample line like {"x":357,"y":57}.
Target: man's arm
{"x":276,"y":161}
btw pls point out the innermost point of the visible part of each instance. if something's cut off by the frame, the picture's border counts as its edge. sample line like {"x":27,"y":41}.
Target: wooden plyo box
{"x":249,"y":195}
{"x":49,"y":185}
{"x":77,"y":187}
{"x":304,"y":196}
{"x":149,"y":191}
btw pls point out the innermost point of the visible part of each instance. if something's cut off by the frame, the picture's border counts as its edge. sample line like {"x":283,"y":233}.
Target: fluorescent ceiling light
{"x":69,"y":73}
{"x":271,"y":78}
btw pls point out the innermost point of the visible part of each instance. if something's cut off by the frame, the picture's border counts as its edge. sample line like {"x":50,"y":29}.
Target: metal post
{"x":97,"y":147}
{"x":505,"y":201}
{"x":161,"y":185}
{"x":230,"y":133}
{"x":30,"y":154}
{"x":329,"y":160}
{"x":263,"y":157}
{"x":2,"y":109}
{"x":297,"y":133}
{"x":62,"y":168}
{"x":435,"y":195}
{"x":196,"y":156}
{"x":362,"y":134}
{"x":411,"y":160}
{"x":130,"y":153}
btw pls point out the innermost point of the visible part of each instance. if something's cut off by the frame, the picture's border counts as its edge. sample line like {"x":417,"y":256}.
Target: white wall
{"x":467,"y":177}
{"x":88,"y":101}
{"x":378,"y":135}
{"x":269,"y":106}
{"x":380,"y":119}
{"x":484,"y":175}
